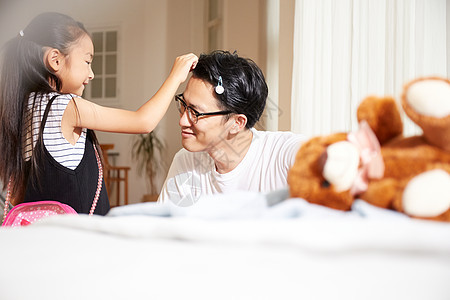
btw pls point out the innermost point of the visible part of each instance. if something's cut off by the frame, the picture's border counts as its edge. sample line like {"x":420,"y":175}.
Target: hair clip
{"x":219,"y":88}
{"x":21,"y":33}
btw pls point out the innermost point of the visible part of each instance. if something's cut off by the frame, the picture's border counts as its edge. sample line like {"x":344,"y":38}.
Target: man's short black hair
{"x":245,"y":88}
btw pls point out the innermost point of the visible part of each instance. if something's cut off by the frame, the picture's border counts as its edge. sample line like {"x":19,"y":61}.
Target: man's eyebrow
{"x":189,"y":104}
{"x":90,"y":55}
{"x":193,"y":106}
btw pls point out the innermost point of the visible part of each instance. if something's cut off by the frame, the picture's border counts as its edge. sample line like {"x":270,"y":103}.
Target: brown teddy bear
{"x":377,"y":164}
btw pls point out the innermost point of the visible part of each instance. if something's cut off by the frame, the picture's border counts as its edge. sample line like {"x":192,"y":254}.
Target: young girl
{"x":47,"y":143}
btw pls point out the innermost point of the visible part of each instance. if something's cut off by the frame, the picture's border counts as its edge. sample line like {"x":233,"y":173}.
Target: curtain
{"x":348,"y":49}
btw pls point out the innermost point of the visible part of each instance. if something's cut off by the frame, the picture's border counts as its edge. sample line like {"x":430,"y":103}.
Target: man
{"x":223,"y":100}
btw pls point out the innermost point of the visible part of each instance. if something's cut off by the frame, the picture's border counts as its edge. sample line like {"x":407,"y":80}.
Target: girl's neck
{"x":230,"y":152}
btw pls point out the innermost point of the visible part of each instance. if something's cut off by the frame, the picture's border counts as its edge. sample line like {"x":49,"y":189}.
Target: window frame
{"x":212,"y":24}
{"x":109,"y":101}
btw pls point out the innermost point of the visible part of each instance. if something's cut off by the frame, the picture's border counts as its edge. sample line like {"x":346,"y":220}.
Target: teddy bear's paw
{"x":430,"y":98}
{"x":426,"y":101}
{"x":428,"y":194}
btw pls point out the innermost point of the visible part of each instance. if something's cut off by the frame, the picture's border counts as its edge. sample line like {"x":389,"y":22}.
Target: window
{"x":214,"y":24}
{"x":103,"y":89}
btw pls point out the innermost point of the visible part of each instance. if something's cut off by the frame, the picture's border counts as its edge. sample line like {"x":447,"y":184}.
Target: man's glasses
{"x":192,"y":113}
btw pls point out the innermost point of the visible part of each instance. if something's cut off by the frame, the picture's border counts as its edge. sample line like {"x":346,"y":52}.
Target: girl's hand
{"x":182,"y":66}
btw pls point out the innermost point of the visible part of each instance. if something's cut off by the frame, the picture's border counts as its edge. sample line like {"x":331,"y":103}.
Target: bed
{"x":233,"y":246}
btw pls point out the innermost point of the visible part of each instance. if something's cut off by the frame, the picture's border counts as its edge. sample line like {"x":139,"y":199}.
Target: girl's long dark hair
{"x":23,"y":72}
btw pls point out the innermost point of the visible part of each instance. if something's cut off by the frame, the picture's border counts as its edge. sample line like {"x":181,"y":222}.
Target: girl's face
{"x":76,"y":71}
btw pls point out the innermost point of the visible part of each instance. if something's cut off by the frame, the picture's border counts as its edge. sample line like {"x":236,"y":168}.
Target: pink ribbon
{"x":372,"y":165}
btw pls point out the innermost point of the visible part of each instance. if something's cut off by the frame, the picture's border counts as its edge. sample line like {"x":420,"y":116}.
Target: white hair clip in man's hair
{"x":219,"y":88}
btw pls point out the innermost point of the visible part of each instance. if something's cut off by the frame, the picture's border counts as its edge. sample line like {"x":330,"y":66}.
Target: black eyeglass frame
{"x":179,"y":99}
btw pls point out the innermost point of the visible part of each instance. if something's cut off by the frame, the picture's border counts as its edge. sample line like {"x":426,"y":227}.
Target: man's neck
{"x":230,"y":152}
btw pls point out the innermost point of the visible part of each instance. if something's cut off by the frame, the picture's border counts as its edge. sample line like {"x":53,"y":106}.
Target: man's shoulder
{"x":278,"y":136}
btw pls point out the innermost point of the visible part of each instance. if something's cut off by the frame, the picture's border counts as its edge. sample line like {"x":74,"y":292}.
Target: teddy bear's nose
{"x":341,"y":166}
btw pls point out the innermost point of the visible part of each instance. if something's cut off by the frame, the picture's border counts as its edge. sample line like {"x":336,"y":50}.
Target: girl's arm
{"x":81,"y":113}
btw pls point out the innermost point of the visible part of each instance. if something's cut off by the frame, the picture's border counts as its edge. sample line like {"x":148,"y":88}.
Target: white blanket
{"x":228,"y":247}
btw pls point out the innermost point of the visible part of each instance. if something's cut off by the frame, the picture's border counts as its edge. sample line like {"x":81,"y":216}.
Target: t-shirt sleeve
{"x":281,"y":149}
{"x":291,"y":147}
{"x":175,"y":168}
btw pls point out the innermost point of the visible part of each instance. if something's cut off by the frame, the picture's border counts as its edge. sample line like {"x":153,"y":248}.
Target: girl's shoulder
{"x":48,"y":96}
{"x":59,"y":99}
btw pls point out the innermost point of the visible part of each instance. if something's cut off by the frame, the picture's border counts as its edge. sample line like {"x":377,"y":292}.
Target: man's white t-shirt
{"x":264,"y":168}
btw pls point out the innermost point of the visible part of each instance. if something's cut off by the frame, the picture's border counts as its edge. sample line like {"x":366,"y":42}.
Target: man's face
{"x":210,"y":131}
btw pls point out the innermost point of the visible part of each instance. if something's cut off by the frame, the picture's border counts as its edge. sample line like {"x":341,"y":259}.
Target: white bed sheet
{"x":230,"y":250}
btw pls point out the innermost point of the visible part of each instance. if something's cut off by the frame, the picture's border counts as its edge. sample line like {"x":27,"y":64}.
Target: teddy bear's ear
{"x":427,"y":102}
{"x":383,"y":117}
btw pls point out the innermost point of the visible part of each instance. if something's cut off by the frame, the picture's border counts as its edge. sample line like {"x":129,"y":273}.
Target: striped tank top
{"x":60,"y":149}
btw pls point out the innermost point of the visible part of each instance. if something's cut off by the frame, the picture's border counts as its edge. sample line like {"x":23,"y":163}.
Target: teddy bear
{"x":377,"y":163}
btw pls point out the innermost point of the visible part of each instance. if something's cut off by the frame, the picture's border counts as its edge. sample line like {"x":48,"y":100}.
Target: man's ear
{"x":53,"y":59}
{"x":239,"y":123}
